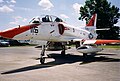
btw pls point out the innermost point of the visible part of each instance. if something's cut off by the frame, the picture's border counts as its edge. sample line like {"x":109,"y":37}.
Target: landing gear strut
{"x":63,"y":50}
{"x":42,"y":55}
{"x":85,"y":54}
{"x":42,"y":58}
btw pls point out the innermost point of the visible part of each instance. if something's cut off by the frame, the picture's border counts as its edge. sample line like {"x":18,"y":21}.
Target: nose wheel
{"x":42,"y":60}
{"x":42,"y":55}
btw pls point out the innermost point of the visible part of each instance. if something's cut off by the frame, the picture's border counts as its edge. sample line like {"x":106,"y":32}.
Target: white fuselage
{"x":50,"y":31}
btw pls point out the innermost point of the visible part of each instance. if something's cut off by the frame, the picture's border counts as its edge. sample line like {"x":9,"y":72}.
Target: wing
{"x":100,"y":41}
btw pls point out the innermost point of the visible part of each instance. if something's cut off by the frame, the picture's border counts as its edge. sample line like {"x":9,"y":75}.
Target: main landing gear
{"x":42,"y":55}
{"x":63,"y":50}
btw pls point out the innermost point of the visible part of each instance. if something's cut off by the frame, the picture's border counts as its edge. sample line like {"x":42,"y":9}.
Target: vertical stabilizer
{"x":92,"y":21}
{"x":91,"y":26}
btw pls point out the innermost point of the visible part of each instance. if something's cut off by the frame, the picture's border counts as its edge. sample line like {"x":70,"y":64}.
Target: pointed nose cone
{"x":15,"y":31}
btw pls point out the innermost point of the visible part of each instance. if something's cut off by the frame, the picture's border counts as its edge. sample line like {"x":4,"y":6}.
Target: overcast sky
{"x":19,"y":12}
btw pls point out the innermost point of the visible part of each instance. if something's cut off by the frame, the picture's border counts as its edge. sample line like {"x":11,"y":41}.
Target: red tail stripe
{"x":92,"y":20}
{"x":106,"y":41}
{"x":15,"y":31}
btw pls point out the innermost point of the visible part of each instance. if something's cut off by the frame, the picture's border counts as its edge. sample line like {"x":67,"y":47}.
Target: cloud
{"x":14,"y":23}
{"x":13,"y":1}
{"x":8,"y":1}
{"x":6,"y":9}
{"x":64,"y":16}
{"x":11,"y":5}
{"x":1,"y":1}
{"x":76,"y":7}
{"x":46,"y":4}
{"x":17,"y":17}
{"x":24,"y":20}
{"x":23,"y":8}
{"x":18,"y":20}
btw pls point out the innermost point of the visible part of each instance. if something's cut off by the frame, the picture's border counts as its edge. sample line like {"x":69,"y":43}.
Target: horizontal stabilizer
{"x":103,"y":29}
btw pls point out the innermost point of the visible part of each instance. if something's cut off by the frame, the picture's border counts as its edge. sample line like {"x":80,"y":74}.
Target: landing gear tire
{"x":42,"y":60}
{"x":63,"y":53}
{"x":93,"y":54}
{"x":85,"y":55}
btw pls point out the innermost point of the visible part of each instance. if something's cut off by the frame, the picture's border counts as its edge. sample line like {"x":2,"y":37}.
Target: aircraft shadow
{"x":67,"y":59}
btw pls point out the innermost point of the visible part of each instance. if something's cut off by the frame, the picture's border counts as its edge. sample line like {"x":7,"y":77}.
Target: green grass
{"x":111,"y":46}
{"x":106,"y":46}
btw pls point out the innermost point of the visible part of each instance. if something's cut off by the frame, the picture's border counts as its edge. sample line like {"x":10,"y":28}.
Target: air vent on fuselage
{"x":61,"y":28}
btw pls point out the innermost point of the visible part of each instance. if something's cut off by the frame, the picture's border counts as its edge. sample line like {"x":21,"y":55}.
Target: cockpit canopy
{"x":46,"y":18}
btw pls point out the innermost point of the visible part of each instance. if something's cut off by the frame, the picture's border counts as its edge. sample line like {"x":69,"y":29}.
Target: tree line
{"x":107,"y":16}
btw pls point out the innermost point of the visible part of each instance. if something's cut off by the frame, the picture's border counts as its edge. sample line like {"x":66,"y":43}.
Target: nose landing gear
{"x":42,"y":60}
{"x":42,"y":55}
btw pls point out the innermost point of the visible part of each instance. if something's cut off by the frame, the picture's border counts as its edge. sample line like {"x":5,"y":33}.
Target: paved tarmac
{"x":22,"y":64}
